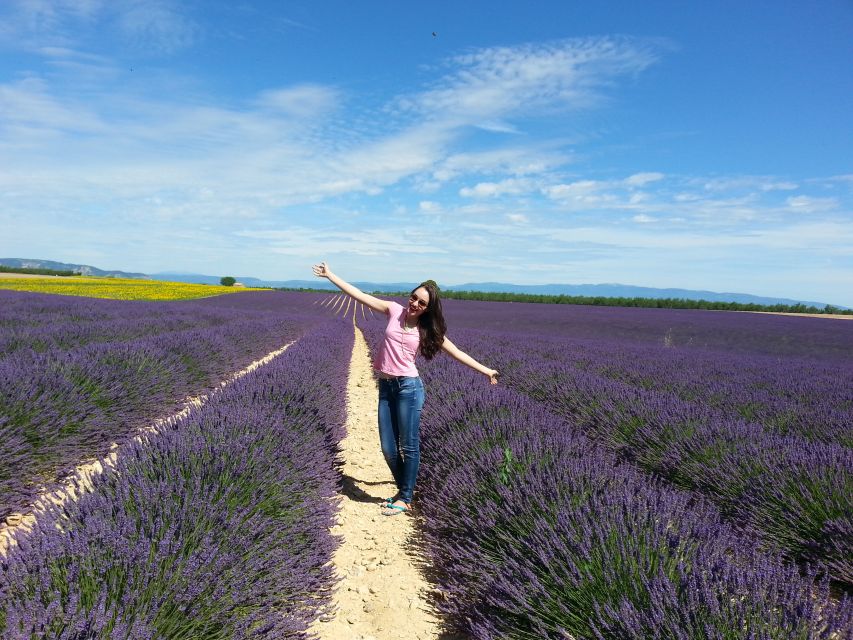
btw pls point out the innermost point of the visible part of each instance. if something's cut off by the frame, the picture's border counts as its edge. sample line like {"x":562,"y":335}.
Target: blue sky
{"x":703,"y":145}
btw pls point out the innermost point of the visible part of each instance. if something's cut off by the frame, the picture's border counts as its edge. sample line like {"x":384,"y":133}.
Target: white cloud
{"x":389,"y":159}
{"x":29,"y":109}
{"x":156,"y":23}
{"x":310,"y":242}
{"x":687,"y":197}
{"x":747,"y":183}
{"x":843,"y":178}
{"x":581,"y":188}
{"x":518,"y":218}
{"x":516,"y":161}
{"x":495,"y":83}
{"x":510,"y":186}
{"x":779,"y":186}
{"x":497,"y":126}
{"x":301,"y":101}
{"x":642,"y":179}
{"x":643,"y":218}
{"x":428,"y":206}
{"x":153,"y":26}
{"x":808,"y":204}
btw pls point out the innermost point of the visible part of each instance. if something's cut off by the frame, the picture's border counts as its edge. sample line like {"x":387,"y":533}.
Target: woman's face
{"x":418,"y":302}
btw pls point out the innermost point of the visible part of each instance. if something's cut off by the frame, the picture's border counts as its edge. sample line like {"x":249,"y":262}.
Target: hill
{"x":83,"y":269}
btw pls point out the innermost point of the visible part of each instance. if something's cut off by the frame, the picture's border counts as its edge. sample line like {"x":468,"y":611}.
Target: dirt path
{"x":87,"y":471}
{"x":381,"y":594}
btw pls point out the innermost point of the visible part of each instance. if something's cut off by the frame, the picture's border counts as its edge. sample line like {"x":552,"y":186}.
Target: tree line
{"x":607,"y":301}
{"x":37,"y":272}
{"x":655,"y":303}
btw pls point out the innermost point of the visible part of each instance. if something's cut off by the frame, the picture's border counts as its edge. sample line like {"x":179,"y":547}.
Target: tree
{"x":227,"y":281}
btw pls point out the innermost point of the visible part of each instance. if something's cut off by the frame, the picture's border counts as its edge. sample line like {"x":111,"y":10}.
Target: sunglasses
{"x":421,"y":303}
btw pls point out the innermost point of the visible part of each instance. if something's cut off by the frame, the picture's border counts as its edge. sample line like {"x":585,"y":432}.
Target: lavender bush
{"x":753,"y":411}
{"x":216,"y":528}
{"x":791,"y":396}
{"x":78,"y":374}
{"x":791,"y":492}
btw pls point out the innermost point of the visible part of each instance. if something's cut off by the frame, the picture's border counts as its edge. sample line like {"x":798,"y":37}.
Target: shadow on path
{"x":353,"y":491}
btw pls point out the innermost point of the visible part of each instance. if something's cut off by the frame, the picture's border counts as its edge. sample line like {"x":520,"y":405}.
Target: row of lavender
{"x":648,"y":384}
{"x":785,"y":337}
{"x":41,"y":322}
{"x":217,"y":527}
{"x":77,"y":374}
{"x":536,"y":531}
{"x":791,"y":375}
{"x":793,"y":493}
{"x":812,"y":400}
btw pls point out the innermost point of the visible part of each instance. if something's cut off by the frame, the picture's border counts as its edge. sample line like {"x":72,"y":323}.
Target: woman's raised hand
{"x":322,"y":270}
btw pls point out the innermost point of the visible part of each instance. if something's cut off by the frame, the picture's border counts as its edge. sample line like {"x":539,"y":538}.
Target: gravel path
{"x":382,"y":594}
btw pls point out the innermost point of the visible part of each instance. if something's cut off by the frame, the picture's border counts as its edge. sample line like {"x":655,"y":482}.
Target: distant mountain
{"x":82,"y":269}
{"x":602,"y":290}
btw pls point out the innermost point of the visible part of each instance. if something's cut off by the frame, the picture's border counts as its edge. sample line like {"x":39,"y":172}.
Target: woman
{"x":416,"y":328}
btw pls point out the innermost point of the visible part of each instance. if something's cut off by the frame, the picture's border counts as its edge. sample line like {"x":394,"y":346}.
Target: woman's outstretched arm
{"x":456,"y":353}
{"x":322,"y":270}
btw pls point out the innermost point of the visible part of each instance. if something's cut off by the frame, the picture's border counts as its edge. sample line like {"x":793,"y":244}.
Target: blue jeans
{"x":400,"y":404}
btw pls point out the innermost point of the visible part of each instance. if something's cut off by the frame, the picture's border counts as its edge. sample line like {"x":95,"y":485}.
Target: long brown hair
{"x":431,"y":325}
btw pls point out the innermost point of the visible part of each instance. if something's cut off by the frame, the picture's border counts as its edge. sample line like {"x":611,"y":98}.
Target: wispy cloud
{"x":155,"y":23}
{"x":308,"y":242}
{"x":510,"y":186}
{"x":499,"y":82}
{"x":428,"y":206}
{"x":809,"y":204}
{"x":302,"y":101}
{"x":154,"y":26}
{"x":642,"y":179}
{"x":643,"y":218}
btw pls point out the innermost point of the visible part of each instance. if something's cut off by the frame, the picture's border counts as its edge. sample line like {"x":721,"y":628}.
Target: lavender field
{"x":638,"y":473}
{"x":641,"y":474}
{"x":216,"y":527}
{"x":77,"y":374}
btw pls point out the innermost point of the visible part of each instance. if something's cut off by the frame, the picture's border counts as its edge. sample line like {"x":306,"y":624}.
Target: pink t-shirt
{"x":396,"y":357}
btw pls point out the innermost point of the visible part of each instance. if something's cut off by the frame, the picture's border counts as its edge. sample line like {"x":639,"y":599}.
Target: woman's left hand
{"x":493,"y":376}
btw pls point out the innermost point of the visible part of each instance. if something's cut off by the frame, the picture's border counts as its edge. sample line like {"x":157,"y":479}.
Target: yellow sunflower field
{"x":117,"y":288}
